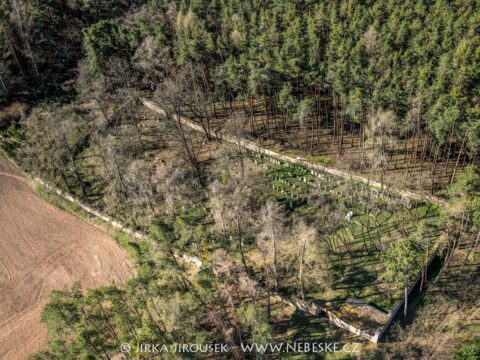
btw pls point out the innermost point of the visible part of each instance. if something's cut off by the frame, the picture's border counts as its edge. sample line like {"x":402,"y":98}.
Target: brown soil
{"x":43,"y":248}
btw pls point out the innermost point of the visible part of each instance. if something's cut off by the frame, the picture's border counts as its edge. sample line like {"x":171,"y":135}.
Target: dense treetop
{"x":412,"y":57}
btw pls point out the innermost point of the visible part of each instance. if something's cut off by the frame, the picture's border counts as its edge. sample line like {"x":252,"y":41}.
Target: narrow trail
{"x":12,"y":176}
{"x":252,"y":146}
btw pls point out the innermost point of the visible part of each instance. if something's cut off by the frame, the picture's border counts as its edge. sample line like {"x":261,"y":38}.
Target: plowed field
{"x":43,"y":248}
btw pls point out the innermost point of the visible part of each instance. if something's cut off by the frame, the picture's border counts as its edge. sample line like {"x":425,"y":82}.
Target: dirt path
{"x":43,"y":248}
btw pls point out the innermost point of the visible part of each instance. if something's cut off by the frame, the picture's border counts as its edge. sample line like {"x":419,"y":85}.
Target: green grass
{"x":362,"y":267}
{"x":319,"y":159}
{"x":316,"y":329}
{"x":366,"y":233}
{"x":60,"y":202}
{"x":134,"y":248}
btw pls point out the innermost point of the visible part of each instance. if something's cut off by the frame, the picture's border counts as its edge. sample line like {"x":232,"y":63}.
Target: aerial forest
{"x":386,"y":91}
{"x":336,"y":75}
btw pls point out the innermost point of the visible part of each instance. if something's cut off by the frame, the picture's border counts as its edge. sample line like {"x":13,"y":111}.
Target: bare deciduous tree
{"x":271,"y":226}
{"x":171,"y":98}
{"x":173,"y":186}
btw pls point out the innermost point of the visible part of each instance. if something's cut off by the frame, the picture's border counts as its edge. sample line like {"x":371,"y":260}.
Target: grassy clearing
{"x":358,"y":240}
{"x":362,"y":268}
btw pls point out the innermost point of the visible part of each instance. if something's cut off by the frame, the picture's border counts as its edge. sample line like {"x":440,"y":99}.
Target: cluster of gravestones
{"x":300,"y":174}
{"x":324,"y":185}
{"x":289,"y":194}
